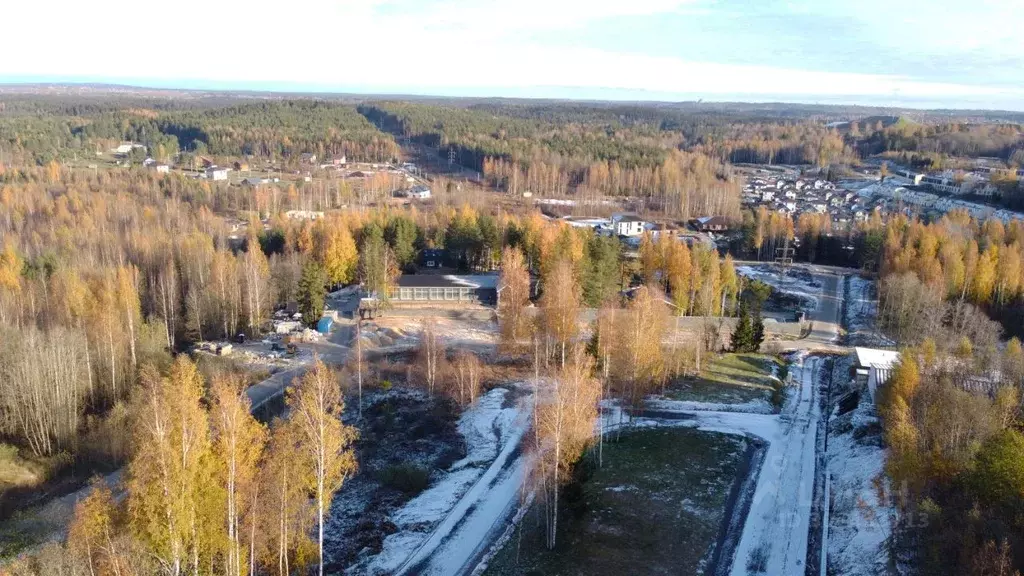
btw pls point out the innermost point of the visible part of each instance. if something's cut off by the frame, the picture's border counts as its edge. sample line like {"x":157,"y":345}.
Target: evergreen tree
{"x":602,"y":270}
{"x":743,"y":336}
{"x":312,"y":292}
{"x":758,"y":332}
{"x":403,"y":235}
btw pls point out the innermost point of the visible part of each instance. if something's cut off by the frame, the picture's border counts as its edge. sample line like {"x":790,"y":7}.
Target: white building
{"x":217,"y":173}
{"x":874,"y":367}
{"x":303,"y":215}
{"x":419,"y":192}
{"x":161,"y":168}
{"x":628,"y":225}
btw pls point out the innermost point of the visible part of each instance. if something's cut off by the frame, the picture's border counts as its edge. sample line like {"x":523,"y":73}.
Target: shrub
{"x":406,"y":478}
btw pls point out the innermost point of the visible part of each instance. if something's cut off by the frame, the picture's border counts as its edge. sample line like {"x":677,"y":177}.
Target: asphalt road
{"x":827,"y":318}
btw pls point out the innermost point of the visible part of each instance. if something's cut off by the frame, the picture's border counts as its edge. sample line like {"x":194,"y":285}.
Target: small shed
{"x":324,"y":325}
{"x":873,"y":367}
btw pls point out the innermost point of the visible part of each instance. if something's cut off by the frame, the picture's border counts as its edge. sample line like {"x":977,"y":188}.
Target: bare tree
{"x":431,"y":355}
{"x":467,"y":370}
{"x":567,"y":422}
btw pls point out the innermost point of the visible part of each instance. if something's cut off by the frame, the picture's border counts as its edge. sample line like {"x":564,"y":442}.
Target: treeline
{"x":766,"y":235}
{"x":957,"y":260}
{"x":554,"y":156}
{"x":778,"y":143}
{"x":998,"y":140}
{"x":278,"y":130}
{"x":951,"y":421}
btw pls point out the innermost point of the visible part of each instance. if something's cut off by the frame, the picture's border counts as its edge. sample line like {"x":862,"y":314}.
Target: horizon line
{"x":606,"y":94}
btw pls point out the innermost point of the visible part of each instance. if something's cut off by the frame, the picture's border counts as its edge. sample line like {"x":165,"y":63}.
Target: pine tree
{"x":743,"y":335}
{"x":758,"y":332}
{"x":312,"y":292}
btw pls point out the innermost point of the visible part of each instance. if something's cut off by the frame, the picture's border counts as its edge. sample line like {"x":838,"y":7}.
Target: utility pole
{"x":784,"y":257}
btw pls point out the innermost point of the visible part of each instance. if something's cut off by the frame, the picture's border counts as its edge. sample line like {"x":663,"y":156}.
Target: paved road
{"x":827,"y":318}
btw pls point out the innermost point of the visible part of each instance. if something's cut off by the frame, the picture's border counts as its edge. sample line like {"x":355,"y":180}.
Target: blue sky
{"x":887,"y":52}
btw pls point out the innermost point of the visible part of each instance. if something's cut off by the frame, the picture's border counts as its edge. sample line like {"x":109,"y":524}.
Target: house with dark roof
{"x":433,"y":258}
{"x":710,"y":224}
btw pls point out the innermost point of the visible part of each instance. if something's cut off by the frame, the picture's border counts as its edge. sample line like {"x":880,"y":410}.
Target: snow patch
{"x":859,"y":521}
{"x":492,"y":434}
{"x":755,"y":406}
{"x":796,"y":282}
{"x":862,"y":312}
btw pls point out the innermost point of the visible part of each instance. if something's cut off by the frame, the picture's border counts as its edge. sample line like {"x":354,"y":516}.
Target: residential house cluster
{"x":889,"y":196}
{"x":953,"y":182}
{"x":793,"y":194}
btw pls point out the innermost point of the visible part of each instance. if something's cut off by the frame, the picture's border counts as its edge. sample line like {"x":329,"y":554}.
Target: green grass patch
{"x":654,"y":508}
{"x":732,"y":379}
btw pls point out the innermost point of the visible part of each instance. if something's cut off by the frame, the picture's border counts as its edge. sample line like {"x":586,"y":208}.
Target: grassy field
{"x":654,"y":508}
{"x":732,"y":379}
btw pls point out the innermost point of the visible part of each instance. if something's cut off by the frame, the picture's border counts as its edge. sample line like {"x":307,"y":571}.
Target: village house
{"x":432,"y":258}
{"x":710,"y":224}
{"x":217,"y":173}
{"x":628,"y":225}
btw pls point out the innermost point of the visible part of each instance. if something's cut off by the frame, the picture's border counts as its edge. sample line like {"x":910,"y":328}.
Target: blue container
{"x":324,"y":325}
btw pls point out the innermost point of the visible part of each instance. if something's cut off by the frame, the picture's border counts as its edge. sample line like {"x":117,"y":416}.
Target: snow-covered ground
{"x":775,"y":533}
{"x":859,"y":520}
{"x":861,"y":314}
{"x":472,"y":495}
{"x":755,"y":406}
{"x":797,"y":282}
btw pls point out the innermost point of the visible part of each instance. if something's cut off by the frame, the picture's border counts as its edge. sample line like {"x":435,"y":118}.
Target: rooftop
{"x":876,"y":357}
{"x":448,"y":281}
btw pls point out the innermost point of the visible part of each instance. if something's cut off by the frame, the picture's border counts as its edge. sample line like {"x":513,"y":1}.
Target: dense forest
{"x":280,"y":130}
{"x":558,"y":155}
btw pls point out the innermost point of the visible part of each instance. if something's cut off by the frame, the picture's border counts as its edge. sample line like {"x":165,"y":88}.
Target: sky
{"x":921,"y":53}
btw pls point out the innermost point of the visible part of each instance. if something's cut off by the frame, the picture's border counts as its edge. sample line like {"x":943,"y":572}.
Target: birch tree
{"x":328,"y":457}
{"x":638,"y":358}
{"x":169,"y":475}
{"x":256,"y":279}
{"x":560,"y":307}
{"x":431,"y":355}
{"x":567,"y":419}
{"x":91,"y":535}
{"x":466,"y":370}
{"x":513,"y":296}
{"x":238,"y":446}
{"x":285,"y":511}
